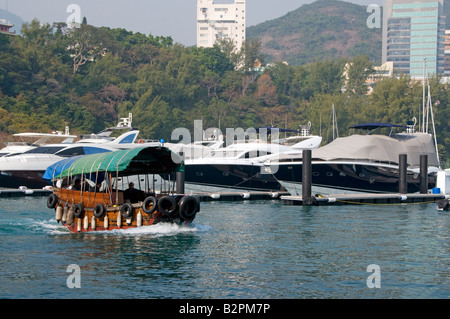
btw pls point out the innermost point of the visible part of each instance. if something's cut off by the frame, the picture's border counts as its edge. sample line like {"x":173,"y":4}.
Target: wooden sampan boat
{"x":87,"y":207}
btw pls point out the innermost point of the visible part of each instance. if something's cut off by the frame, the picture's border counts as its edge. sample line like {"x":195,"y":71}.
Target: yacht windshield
{"x":44,"y":150}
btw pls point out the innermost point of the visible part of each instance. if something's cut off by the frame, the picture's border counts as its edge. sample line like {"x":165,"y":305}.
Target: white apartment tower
{"x":217,"y":21}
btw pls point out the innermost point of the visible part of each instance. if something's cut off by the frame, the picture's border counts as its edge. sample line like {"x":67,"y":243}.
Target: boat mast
{"x":335,"y":123}
{"x":430,"y":109}
{"x":423,"y":97}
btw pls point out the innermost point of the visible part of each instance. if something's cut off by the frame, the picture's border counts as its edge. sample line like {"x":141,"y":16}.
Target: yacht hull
{"x":230,"y":176}
{"x":15,"y":179}
{"x":341,"y":177}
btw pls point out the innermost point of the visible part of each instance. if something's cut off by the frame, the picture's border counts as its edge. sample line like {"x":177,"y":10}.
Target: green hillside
{"x":86,"y":78}
{"x":325,"y":29}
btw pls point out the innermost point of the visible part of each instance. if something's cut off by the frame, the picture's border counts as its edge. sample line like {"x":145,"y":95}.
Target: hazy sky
{"x":176,"y":18}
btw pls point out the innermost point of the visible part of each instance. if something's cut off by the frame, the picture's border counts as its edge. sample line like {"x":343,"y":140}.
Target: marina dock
{"x":360,"y":199}
{"x":239,"y":196}
{"x":24,"y":192}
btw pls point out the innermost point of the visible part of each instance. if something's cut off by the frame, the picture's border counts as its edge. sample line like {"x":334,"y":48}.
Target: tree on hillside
{"x":87,"y":43}
{"x":326,"y":76}
{"x":358,"y":70}
{"x":267,"y":91}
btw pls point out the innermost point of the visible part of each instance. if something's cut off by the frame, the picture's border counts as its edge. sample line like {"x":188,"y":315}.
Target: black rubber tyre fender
{"x":189,"y":207}
{"x":167,"y":206}
{"x":99,"y":211}
{"x":146,"y":202}
{"x":126,"y":210}
{"x":52,"y":200}
{"x":78,"y":210}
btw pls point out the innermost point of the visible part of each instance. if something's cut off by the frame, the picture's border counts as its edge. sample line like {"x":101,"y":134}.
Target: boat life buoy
{"x":52,"y":200}
{"x":126,"y":210}
{"x":99,"y":211}
{"x":146,"y":205}
{"x":141,"y":141}
{"x":167,"y":206}
{"x":78,"y":210}
{"x":189,"y":206}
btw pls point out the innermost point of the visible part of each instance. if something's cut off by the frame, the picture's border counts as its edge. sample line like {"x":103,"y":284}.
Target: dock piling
{"x":423,"y":174}
{"x":307,"y":178}
{"x":402,"y":182}
{"x":180,"y":182}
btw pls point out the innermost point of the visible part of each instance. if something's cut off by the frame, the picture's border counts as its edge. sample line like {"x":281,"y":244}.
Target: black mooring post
{"x":423,"y":174}
{"x":306,"y":176}
{"x":402,"y":182}
{"x":180,"y":182}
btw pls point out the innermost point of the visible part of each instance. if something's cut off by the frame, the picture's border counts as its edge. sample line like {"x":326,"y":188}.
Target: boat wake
{"x":162,"y":229}
{"x":158,"y":230}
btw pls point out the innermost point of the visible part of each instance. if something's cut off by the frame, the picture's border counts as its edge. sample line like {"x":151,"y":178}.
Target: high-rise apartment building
{"x":447,"y":53}
{"x":414,"y":31}
{"x":218,"y":21}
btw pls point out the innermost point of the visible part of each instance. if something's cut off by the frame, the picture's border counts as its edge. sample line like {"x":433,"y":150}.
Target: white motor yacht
{"x":27,"y":169}
{"x":29,"y":140}
{"x":239,"y":166}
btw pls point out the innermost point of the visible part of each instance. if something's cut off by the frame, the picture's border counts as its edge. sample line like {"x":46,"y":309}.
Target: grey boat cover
{"x":376,"y":148}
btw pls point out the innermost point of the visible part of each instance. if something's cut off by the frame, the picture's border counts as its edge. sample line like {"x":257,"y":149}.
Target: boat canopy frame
{"x":136,"y":161}
{"x":112,"y":165}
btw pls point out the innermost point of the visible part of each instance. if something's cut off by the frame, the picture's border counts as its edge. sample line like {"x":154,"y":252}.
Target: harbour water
{"x":233,"y":250}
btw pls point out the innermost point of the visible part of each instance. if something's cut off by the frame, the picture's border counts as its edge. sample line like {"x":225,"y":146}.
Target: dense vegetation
{"x":87,"y":78}
{"x":324,"y":29}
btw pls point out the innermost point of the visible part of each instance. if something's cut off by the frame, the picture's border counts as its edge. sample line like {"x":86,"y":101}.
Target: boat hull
{"x":341,"y":177}
{"x":230,"y":176}
{"x":15,"y":179}
{"x":113,"y":217}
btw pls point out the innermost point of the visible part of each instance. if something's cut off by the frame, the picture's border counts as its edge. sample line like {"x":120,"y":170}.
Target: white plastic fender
{"x":215,"y":196}
{"x":246,"y":195}
{"x":59,"y":213}
{"x":70,"y":216}
{"x":86,"y":222}
{"x":64,"y":215}
{"x":274,"y":195}
{"x":106,"y":222}
{"x":129,"y":221}
{"x":139,"y":219}
{"x":119,"y":219}
{"x":93,"y":223}
{"x":403,"y":197}
{"x":79,"y":225}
